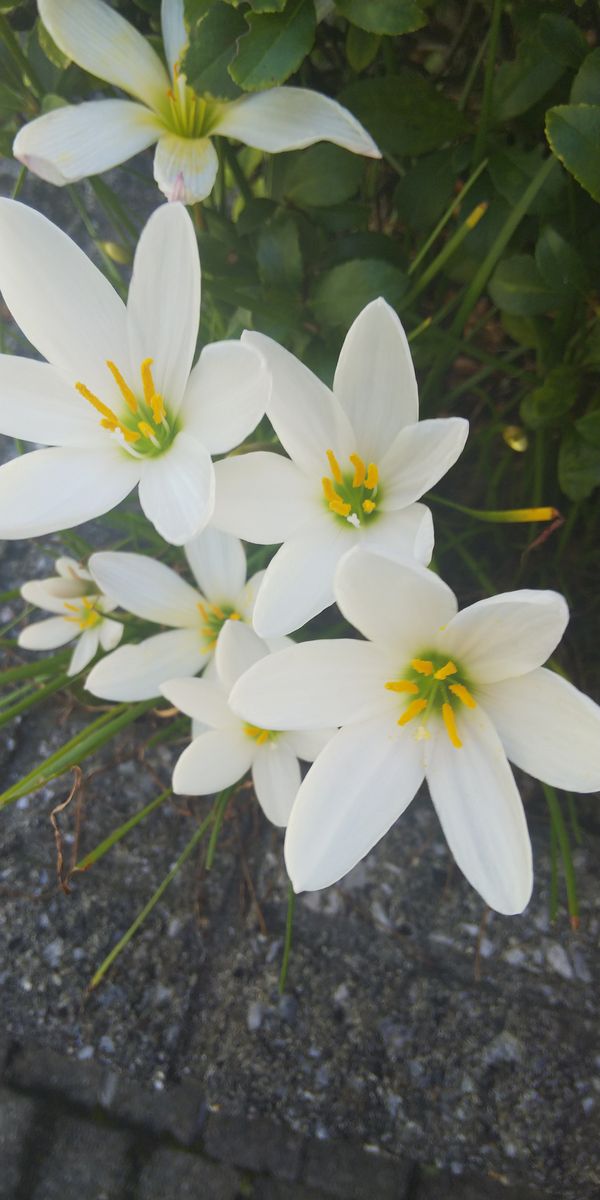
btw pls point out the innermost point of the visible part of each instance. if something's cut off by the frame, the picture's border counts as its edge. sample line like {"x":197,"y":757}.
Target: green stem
{"x":565,"y":851}
{"x":109,"y":266}
{"x":231,"y":158}
{"x":14,"y":49}
{"x":500,"y":516}
{"x":443,"y":221}
{"x":287,"y":945}
{"x":40,"y":695}
{"x":488,"y":84}
{"x":117,"y":834}
{"x":446,"y":252}
{"x":34,"y":670}
{"x":219,"y":815}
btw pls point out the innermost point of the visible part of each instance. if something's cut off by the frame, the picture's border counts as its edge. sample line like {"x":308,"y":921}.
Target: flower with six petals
{"x":79,"y":615}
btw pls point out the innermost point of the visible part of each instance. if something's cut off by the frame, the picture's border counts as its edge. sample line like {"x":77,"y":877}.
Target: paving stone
{"x":261,"y":1146}
{"x":36,"y":1069}
{"x":344,"y":1170}
{"x":443,"y":1186}
{"x":177,"y":1111}
{"x":17,"y":1114}
{"x":177,"y":1175}
{"x":87,"y":1161}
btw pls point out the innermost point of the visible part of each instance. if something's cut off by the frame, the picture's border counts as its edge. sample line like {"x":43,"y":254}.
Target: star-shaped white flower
{"x":117,"y":402}
{"x":359,"y":458}
{"x":80,"y":615}
{"x":224,"y":748}
{"x":75,"y":141}
{"x":151,"y":590}
{"x":433,"y":693}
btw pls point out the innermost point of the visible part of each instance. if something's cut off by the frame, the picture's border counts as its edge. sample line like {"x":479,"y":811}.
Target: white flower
{"x":117,"y":402}
{"x":80,"y":610}
{"x":359,"y":459}
{"x":224,"y":747}
{"x":154,"y":592}
{"x":73,"y":142}
{"x":431,"y":694}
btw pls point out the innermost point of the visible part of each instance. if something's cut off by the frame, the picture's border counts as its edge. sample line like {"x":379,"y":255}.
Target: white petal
{"x":246,"y":599}
{"x":137,"y":672}
{"x":52,"y":593}
{"x":226,"y":395}
{"x":106,"y":45}
{"x":398,"y":606}
{"x":307,"y":744}
{"x":290,"y":118}
{"x":506,"y":635}
{"x":163,"y":308}
{"x":61,"y":301}
{"x":111,"y":633}
{"x":306,"y":416}
{"x":375,"y":379}
{"x":48,"y":634}
{"x":276,"y":778}
{"x":84,"y":651}
{"x":238,"y":648}
{"x":358,"y":787}
{"x":174,"y":32}
{"x":76,"y":141}
{"x":69,"y":568}
{"x":298,"y":581}
{"x":478,"y":804}
{"x":262,"y":497}
{"x":185,"y":168}
{"x":50,"y":490}
{"x":213,"y":761}
{"x":202,"y":700}
{"x":38,"y":405}
{"x":548,"y":728}
{"x":403,"y":535}
{"x":312,"y":684}
{"x":218,"y":563}
{"x":419,"y":456}
{"x":147,"y":588}
{"x":177,"y":490}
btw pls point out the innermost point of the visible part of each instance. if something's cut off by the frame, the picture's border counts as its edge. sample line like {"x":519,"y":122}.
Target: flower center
{"x":432,"y":684}
{"x":352,"y":496}
{"x":143,"y":428}
{"x":84,"y":612}
{"x":260,"y":736}
{"x":214,"y":617}
{"x":188,"y":114}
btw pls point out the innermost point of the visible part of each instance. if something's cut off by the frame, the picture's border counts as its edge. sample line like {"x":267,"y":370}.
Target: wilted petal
{"x":289,"y":118}
{"x":76,"y":141}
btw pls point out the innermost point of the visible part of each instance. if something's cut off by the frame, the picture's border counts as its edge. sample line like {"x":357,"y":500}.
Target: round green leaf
{"x":404,"y":112}
{"x":517,"y":287}
{"x":321,"y":176}
{"x":342,"y":292}
{"x":586,"y":84}
{"x":573,"y":133}
{"x":274,"y":46}
{"x":383,"y":16}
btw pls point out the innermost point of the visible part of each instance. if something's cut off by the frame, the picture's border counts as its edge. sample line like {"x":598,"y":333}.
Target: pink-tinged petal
{"x":137,"y":672}
{"x":80,"y":140}
{"x":276,"y":778}
{"x":419,"y":456}
{"x":358,"y":787}
{"x":290,"y":118}
{"x":298,"y":582}
{"x":213,"y":761}
{"x":202,"y":700}
{"x":507,"y":635}
{"x":403,"y":535}
{"x":480,"y":810}
{"x":177,"y":490}
{"x":375,"y":379}
{"x":262,"y":497}
{"x":226,"y":395}
{"x":548,"y":728}
{"x":56,"y":489}
{"x":185,"y":168}
{"x":147,"y":588}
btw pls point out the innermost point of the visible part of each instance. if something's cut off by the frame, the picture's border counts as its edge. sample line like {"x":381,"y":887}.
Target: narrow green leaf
{"x":383,"y":16}
{"x":573,"y":133}
{"x":117,"y":834}
{"x":274,"y":46}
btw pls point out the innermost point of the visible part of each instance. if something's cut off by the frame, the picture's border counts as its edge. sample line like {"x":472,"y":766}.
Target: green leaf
{"x":426,"y":190}
{"x":278,"y":253}
{"x":578,"y":466}
{"x":195,"y":10}
{"x":213,"y":41}
{"x":10,"y":102}
{"x":586,"y":84}
{"x":512,"y":169}
{"x":361,"y":48}
{"x":266,"y":6}
{"x":519,"y":84}
{"x":274,"y":46}
{"x":561,"y":38}
{"x":573,"y":133}
{"x":322,"y":175}
{"x":342,"y":292}
{"x":547,"y":404}
{"x":559,"y":265}
{"x":588,"y":426}
{"x":51,"y":50}
{"x":383,"y":16}
{"x":404,"y":112}
{"x":517,"y":287}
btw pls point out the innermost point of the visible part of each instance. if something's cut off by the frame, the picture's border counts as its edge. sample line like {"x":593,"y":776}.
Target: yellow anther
{"x":219,"y":612}
{"x":147,"y":381}
{"x":234,"y":616}
{"x":202,"y":611}
{"x":328,"y":488}
{"x":360,"y":470}
{"x":336,"y":470}
{"x":103,"y":409}
{"x":369,"y":506}
{"x":463,"y":694}
{"x":339,"y":507}
{"x":413,"y":709}
{"x":478,"y":212}
{"x":422,"y":665}
{"x":450,"y":723}
{"x":159,"y":411}
{"x":449,"y":669}
{"x":123,"y":386}
{"x":146,"y":430}
{"x":71,"y":607}
{"x":262,"y":737}
{"x":372,"y":477}
{"x":402,"y":685}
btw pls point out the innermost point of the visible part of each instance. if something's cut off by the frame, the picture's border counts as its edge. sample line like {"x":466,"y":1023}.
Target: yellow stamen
{"x":159,"y":411}
{"x":262,"y":737}
{"x":449,"y":669}
{"x":146,"y":430}
{"x":123,"y":386}
{"x":235,"y":616}
{"x":372,"y":477}
{"x":369,"y":506}
{"x":103,"y":409}
{"x":338,"y":506}
{"x":336,"y":470}
{"x":422,"y":665}
{"x":202,"y":611}
{"x":402,"y":685}
{"x":218,"y":612}
{"x":463,"y":694}
{"x":414,"y":708}
{"x":450,"y":723}
{"x":71,"y":607}
{"x":328,"y":488}
{"x":359,"y":470}
{"x":147,"y":381}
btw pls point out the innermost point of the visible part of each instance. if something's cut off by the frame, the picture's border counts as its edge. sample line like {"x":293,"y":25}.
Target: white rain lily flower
{"x":80,"y":615}
{"x":154,"y":592}
{"x":117,"y":402}
{"x":75,"y":141}
{"x":433,"y":693}
{"x":225,"y":747}
{"x":359,"y":458}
